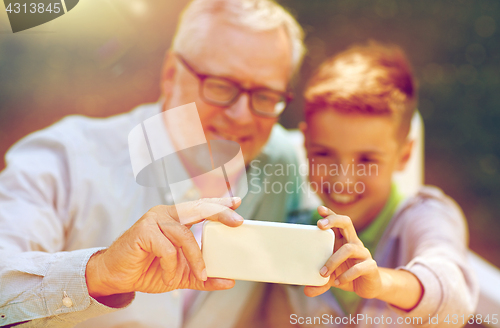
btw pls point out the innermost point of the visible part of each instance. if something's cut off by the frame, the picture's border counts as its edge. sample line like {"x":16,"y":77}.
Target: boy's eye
{"x":320,"y":153}
{"x":366,"y":159}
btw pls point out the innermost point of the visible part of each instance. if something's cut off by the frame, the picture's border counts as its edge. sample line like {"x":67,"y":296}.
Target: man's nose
{"x":240,"y":111}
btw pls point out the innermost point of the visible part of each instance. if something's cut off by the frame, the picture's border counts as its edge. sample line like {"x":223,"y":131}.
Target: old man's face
{"x":250,"y":59}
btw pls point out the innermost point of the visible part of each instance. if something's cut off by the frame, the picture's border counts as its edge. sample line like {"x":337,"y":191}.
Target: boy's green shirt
{"x":370,"y":236}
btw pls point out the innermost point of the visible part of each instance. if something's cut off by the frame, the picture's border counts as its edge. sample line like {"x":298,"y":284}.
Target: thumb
{"x":214,"y":209}
{"x":313,"y":291}
{"x":217,"y":284}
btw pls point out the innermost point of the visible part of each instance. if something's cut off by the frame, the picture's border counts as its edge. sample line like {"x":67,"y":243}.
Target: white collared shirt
{"x":68,"y":191}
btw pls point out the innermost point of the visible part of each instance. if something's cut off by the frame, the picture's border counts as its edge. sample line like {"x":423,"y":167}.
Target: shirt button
{"x":67,"y":302}
{"x":3,"y":316}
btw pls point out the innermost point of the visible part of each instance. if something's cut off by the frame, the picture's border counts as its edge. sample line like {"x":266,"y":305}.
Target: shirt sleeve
{"x":435,"y":238}
{"x":39,"y":282}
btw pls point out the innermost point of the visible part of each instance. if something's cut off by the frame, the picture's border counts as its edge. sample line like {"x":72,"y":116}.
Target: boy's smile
{"x":351,"y":159}
{"x":343,"y":199}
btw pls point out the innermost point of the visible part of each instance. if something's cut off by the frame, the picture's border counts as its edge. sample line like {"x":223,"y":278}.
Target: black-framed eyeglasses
{"x":220,"y":91}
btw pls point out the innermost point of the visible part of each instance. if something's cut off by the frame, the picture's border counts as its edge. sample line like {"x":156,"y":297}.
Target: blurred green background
{"x":105,"y":57}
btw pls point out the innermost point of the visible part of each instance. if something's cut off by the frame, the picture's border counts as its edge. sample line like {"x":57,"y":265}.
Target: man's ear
{"x":303,"y":129}
{"x":168,"y":74}
{"x":405,"y":154}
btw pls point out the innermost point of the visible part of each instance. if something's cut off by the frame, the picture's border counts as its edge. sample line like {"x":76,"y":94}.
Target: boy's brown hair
{"x":372,"y":79}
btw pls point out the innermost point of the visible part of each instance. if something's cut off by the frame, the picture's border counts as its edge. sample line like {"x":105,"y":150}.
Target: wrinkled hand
{"x":351,"y":267}
{"x":158,"y":254}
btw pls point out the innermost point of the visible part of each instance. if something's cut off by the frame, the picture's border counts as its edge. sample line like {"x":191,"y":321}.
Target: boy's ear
{"x":168,"y":71}
{"x":303,"y":129}
{"x":405,"y":154}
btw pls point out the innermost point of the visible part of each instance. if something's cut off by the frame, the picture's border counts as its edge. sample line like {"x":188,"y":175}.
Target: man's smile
{"x":217,"y":134}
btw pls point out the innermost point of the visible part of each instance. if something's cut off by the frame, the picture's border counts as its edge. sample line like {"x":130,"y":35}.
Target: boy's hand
{"x":351,"y":267}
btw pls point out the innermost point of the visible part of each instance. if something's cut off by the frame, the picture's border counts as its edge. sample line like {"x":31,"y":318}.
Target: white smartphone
{"x":267,"y":251}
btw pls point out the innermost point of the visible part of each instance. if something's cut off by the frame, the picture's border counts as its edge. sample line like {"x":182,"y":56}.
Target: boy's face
{"x":351,"y":159}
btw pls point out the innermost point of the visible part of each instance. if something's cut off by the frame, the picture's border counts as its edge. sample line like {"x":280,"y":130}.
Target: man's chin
{"x":249,"y":153}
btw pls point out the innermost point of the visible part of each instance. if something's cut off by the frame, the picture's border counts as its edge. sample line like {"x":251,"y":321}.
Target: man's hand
{"x":351,"y":267}
{"x":158,"y":254}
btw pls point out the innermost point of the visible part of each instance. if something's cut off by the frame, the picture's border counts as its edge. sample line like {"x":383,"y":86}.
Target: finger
{"x":324,"y":211}
{"x":223,"y":215}
{"x":340,"y":269}
{"x":356,"y":271}
{"x":342,"y":222}
{"x":163,"y":249}
{"x":214,"y":209}
{"x":217,"y":284}
{"x":231,"y":202}
{"x":216,"y":212}
{"x":190,"y":282}
{"x":347,"y":251}
{"x":339,"y":239}
{"x":182,"y":272}
{"x":183,"y":238}
{"x":313,"y":291}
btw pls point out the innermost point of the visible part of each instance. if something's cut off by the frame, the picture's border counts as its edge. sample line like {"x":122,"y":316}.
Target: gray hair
{"x":257,"y":15}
